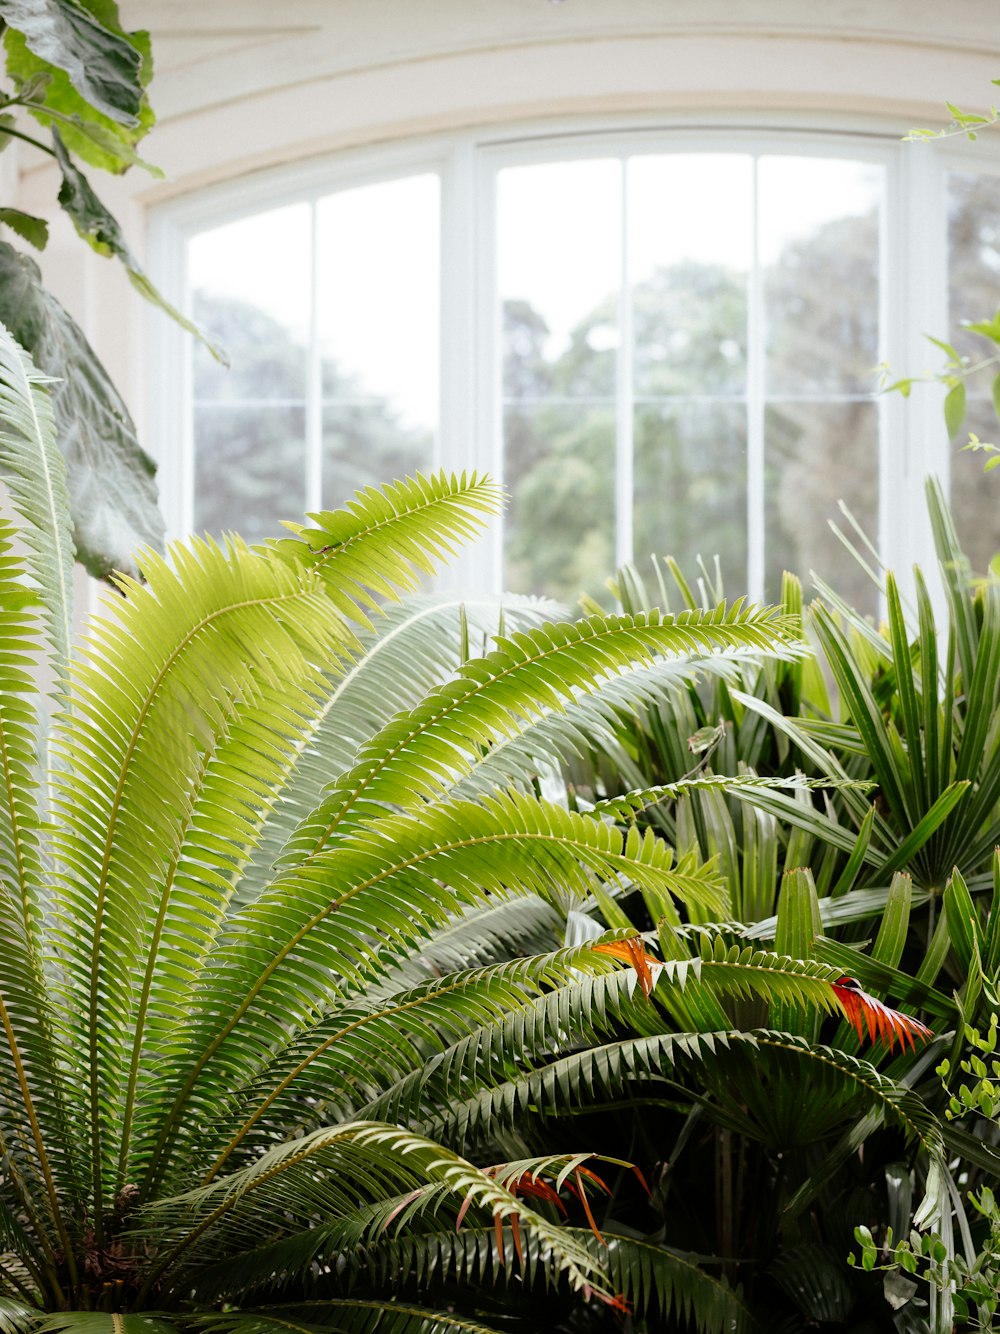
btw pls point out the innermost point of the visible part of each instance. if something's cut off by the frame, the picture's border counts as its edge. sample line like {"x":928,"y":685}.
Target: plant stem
{"x":35,"y":143}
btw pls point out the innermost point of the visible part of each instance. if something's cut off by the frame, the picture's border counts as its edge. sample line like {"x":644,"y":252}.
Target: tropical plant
{"x":887,"y":870}
{"x":74,"y":69}
{"x":285,"y":996}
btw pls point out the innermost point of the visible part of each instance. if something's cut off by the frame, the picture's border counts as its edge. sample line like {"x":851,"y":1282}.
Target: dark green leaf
{"x":112,"y":493}
{"x":103,"y":66}
{"x":96,"y":225}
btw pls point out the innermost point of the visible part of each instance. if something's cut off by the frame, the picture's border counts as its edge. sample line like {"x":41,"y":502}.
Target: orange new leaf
{"x":631,"y":951}
{"x":862,"y":1010}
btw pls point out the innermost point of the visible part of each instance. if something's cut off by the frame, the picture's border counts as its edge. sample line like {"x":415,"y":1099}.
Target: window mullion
{"x":624,"y":394}
{"x":756,"y":402}
{"x":314,"y":380}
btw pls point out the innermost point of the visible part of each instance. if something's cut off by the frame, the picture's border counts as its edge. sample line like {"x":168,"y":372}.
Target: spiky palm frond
{"x":604,"y":1073}
{"x":653,"y":1281}
{"x":593,"y":722}
{"x":347,"y":1315}
{"x":350,"y":912}
{"x":274,"y":1039}
{"x":163,"y":678}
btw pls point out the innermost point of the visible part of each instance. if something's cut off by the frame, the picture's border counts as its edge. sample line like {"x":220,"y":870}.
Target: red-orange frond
{"x":407,"y":1199}
{"x":582,"y":1193}
{"x":631,"y":951}
{"x":863,"y":1011}
{"x":616,"y":1303}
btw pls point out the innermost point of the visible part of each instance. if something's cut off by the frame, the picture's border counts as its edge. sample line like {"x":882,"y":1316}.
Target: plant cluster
{"x":318,"y":1014}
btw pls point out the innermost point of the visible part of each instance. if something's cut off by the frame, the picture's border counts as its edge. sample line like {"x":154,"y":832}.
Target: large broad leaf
{"x":36,"y":478}
{"x":102,"y":65}
{"x":110,"y":477}
{"x":101,"y":231}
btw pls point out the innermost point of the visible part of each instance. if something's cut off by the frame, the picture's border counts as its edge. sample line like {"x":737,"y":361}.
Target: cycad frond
{"x":345,"y":1315}
{"x":415,"y":645}
{"x":587,"y":1010}
{"x":31,"y":1080}
{"x":359,"y":1050}
{"x":594,"y":720}
{"x":161,"y":679}
{"x":382,"y":541}
{"x":609,"y":1071}
{"x":347,"y":915}
{"x":334,"y":1177}
{"x":418,"y":757}
{"x":35,"y":473}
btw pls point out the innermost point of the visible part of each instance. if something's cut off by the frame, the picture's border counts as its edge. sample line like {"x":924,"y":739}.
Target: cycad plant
{"x":888,"y":871}
{"x":285,"y":995}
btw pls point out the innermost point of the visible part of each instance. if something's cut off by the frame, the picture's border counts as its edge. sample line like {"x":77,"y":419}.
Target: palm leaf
{"x":348,"y":914}
{"x":840,"y":1083}
{"x":32,"y":1086}
{"x":332,"y":1176}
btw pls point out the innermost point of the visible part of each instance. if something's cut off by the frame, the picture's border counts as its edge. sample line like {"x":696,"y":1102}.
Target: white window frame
{"x":913,"y":278}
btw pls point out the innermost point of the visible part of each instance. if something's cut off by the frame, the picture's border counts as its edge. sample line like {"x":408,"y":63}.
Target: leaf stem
{"x":28,"y":139}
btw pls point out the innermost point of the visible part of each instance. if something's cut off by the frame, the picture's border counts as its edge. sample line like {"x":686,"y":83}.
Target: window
{"x":328,"y":311}
{"x":660,"y":340}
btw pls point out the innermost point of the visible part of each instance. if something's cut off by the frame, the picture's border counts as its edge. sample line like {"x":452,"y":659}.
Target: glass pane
{"x":817,"y":454}
{"x":973,"y":495}
{"x":690,"y":229}
{"x":249,"y":468}
{"x":378,"y":300}
{"x":818,"y":224}
{"x":691,"y":488}
{"x":559,"y":258}
{"x":366,"y":444}
{"x":973,"y":259}
{"x":250,"y":286}
{"x":559,"y":527}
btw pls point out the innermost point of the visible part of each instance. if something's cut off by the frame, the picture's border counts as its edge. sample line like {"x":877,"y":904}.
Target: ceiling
{"x":219,"y":52}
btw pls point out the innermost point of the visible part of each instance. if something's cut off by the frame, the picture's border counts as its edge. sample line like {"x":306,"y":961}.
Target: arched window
{"x":660,"y":338}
